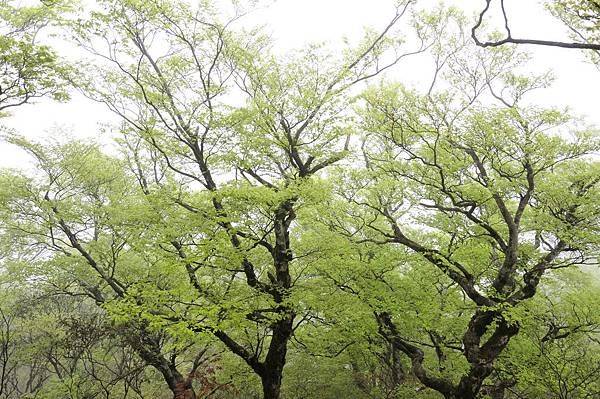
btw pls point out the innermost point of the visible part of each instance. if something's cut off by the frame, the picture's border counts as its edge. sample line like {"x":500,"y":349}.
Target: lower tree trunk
{"x":271,"y":384}
{"x":272,"y":373}
{"x":471,"y":384}
{"x":183,"y":389}
{"x":497,"y":393}
{"x":148,"y":348}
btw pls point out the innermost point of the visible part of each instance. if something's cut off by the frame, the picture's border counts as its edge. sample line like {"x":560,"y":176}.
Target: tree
{"x":174,"y":103}
{"x":63,"y":347}
{"x":485,"y":195}
{"x":504,"y":203}
{"x":73,"y":200}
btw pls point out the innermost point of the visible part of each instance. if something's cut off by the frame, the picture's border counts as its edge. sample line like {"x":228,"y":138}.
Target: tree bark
{"x":275,"y":361}
{"x":148,"y":347}
{"x":282,"y":329}
{"x":271,"y":384}
{"x":182,"y":388}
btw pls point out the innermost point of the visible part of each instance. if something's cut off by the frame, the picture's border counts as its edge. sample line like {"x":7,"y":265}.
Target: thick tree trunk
{"x":271,"y":384}
{"x":276,"y":356}
{"x":180,"y":386}
{"x":480,"y":356}
{"x":272,"y":371}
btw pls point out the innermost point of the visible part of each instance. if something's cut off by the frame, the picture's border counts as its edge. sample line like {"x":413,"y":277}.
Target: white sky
{"x":296,"y":22}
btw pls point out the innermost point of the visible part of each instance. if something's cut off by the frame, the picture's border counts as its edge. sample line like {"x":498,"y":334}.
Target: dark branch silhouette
{"x":511,"y":40}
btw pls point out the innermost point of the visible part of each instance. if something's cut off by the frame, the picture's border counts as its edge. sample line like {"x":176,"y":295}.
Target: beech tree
{"x":174,"y":105}
{"x":71,"y":198}
{"x":502,"y":202}
{"x":179,"y":131}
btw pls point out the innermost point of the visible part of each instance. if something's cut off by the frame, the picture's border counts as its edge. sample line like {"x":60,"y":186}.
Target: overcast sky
{"x":294,"y":23}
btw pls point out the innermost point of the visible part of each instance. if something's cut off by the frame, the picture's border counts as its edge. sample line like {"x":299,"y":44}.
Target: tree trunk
{"x":275,"y":361}
{"x":271,"y":384}
{"x":182,"y":388}
{"x":148,"y":348}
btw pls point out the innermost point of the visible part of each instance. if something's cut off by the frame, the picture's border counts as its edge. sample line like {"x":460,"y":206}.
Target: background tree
{"x":63,"y":347}
{"x":29,"y":69}
{"x":66,"y":223}
{"x":557,"y":354}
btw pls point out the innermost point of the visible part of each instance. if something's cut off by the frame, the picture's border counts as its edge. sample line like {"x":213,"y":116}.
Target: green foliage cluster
{"x":29,"y":69}
{"x":582,"y":18}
